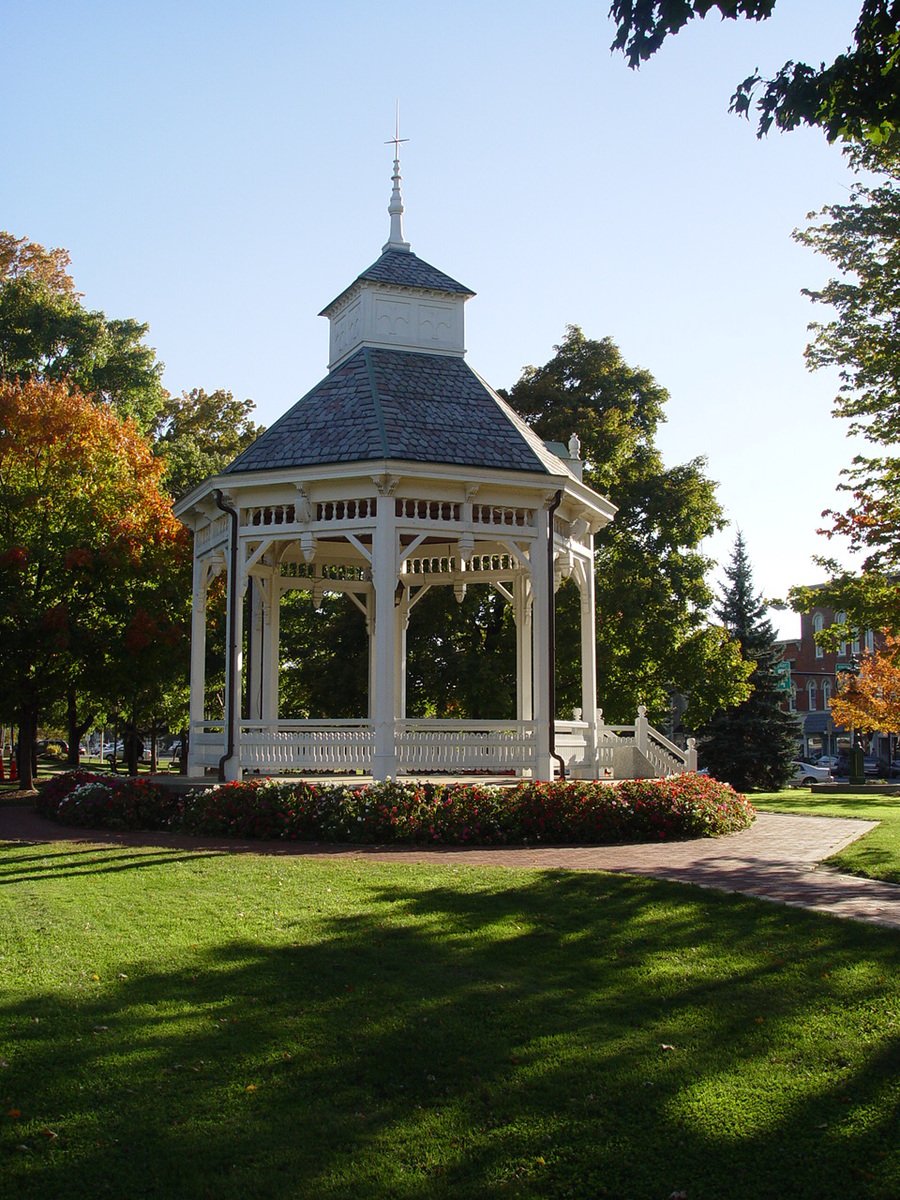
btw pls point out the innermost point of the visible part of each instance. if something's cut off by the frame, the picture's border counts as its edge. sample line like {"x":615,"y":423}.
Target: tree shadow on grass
{"x":92,"y":861}
{"x":439,"y":1034}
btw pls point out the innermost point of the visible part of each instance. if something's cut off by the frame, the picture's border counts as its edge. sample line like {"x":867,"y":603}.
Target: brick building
{"x":811,"y":678}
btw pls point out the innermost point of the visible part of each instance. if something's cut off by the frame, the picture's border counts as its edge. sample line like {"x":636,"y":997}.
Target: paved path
{"x":776,"y":859}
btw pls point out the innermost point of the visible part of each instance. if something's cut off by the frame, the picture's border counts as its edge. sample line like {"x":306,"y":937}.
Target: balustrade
{"x":427,"y":510}
{"x":347,"y":510}
{"x":492,"y":514}
{"x":440,"y":747}
{"x":270,"y":514}
{"x":212,"y":532}
{"x":446,"y":746}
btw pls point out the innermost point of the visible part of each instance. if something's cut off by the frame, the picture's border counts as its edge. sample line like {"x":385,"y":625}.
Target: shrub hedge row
{"x":586,"y":813}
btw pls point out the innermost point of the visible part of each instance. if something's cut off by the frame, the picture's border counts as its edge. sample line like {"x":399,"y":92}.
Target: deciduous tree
{"x":199,"y":433}
{"x":871,"y":699}
{"x":86,"y":537}
{"x":47,"y":334}
{"x":652,"y":595}
{"x":19,"y":257}
{"x":857,"y":96}
{"x":862,"y":239}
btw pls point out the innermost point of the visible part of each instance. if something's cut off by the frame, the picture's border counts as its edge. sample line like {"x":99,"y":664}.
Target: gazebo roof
{"x":400,"y":405}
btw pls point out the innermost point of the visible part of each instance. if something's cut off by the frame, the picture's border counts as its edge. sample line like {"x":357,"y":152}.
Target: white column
{"x":232,"y":765}
{"x":589,"y":657}
{"x":370,"y":634}
{"x":401,"y":617}
{"x":198,"y":661}
{"x":384,"y":577}
{"x":271,"y":660}
{"x":522,"y":616}
{"x":541,"y":590}
{"x":256,"y":657}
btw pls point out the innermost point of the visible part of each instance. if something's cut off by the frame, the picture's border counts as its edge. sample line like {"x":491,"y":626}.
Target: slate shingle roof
{"x":396,"y":404}
{"x":405,"y":269}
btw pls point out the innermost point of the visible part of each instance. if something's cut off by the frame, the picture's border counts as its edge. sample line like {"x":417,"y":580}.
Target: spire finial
{"x":395,"y":208}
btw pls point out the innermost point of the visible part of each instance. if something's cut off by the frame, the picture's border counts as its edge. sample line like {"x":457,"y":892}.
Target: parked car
{"x":53,"y":747}
{"x":828,"y":760}
{"x":805,"y":773}
{"x":143,"y":752}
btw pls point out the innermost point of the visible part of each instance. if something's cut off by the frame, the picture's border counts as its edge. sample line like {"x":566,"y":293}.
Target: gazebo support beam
{"x":384,"y":577}
{"x":542,"y":586}
{"x":198,"y":654}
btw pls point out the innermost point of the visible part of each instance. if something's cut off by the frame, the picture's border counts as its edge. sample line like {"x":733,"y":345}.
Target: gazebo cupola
{"x":399,"y":303}
{"x":400,"y":471}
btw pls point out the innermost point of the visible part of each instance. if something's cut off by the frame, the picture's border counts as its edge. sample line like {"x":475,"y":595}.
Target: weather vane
{"x":396,"y":140}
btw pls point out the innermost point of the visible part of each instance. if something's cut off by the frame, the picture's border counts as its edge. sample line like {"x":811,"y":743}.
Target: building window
{"x":854,"y":645}
{"x":811,"y":696}
{"x":818,"y":626}
{"x":826,"y":694}
{"x":841,"y":619}
{"x":870,"y":641}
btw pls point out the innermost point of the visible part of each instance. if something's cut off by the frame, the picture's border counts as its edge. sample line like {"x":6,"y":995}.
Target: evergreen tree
{"x":752,"y":745}
{"x":653,"y":636}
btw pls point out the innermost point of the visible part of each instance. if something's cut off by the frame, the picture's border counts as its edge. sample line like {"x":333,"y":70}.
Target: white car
{"x":807,"y":773}
{"x":827,"y":760}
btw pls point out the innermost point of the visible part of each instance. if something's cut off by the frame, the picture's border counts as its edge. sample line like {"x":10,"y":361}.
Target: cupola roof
{"x":406,"y":270}
{"x":398,"y":388}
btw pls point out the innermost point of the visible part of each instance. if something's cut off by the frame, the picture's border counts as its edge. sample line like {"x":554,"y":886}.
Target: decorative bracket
{"x":385,"y":484}
{"x":303,"y":509}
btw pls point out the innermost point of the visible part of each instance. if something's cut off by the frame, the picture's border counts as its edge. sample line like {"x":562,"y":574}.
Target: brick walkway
{"x":776,"y":859}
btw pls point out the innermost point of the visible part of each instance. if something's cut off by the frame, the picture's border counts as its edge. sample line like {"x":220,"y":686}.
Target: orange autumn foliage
{"x":871,"y":700}
{"x":87,"y":539}
{"x":72,"y":471}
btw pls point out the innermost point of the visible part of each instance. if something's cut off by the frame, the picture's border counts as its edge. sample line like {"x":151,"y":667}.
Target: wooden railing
{"x":447,"y":746}
{"x":440,"y":747}
{"x":271,"y":747}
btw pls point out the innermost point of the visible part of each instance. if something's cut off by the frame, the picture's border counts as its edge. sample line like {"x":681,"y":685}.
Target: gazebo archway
{"x":384,"y":552}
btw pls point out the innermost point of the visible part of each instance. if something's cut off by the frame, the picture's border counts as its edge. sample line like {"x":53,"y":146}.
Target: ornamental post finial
{"x":395,"y":208}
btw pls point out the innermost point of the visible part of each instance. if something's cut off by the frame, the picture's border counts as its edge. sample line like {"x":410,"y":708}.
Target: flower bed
{"x":97,"y":802}
{"x":583,"y":813}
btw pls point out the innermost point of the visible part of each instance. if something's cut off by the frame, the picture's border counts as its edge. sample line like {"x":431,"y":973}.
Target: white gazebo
{"x":402,"y":470}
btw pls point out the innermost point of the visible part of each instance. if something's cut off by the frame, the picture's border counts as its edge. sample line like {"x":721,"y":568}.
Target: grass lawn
{"x":191,"y":1025}
{"x":877,"y":855}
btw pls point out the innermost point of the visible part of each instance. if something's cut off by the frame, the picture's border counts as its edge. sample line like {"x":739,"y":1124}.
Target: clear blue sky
{"x":218,"y":170}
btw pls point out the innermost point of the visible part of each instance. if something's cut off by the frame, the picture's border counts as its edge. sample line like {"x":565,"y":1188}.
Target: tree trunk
{"x":25,"y":751}
{"x":130,"y":748}
{"x":183,"y":758}
{"x":77,"y":729}
{"x":114,"y":763}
